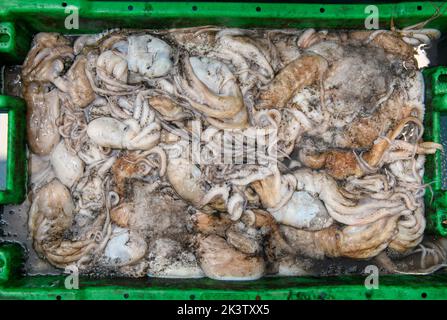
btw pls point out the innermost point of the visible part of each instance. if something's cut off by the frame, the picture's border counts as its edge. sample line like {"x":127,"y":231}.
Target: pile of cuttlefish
{"x":114,"y":188}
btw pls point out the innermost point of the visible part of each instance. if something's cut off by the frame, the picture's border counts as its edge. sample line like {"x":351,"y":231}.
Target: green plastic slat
{"x":274,"y":288}
{"x":436,"y":104}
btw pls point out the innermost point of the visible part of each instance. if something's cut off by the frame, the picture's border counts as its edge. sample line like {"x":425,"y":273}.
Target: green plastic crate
{"x":19,"y":20}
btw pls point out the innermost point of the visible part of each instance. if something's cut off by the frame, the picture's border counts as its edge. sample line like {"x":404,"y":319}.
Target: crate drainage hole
{"x":419,"y":8}
{"x":442,"y":78}
{"x":58,"y":298}
{"x":64,"y":4}
{"x":258,"y":9}
{"x":130,"y":8}
{"x":192,"y":297}
{"x":194,"y":8}
{"x":4,"y":38}
{"x":423,"y":295}
{"x":322,"y":10}
{"x":126,"y":296}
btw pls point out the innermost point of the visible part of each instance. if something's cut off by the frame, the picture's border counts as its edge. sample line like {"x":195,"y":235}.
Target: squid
{"x":220,"y":101}
{"x":357,"y":242}
{"x":297,"y":74}
{"x":111,"y":133}
{"x":342,"y":164}
{"x":51,"y":214}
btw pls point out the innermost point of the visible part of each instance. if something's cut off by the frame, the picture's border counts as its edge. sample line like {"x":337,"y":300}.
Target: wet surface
{"x":14,"y":228}
{"x":12,"y":84}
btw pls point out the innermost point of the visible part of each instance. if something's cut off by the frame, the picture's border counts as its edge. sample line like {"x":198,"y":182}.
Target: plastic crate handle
{"x":436,"y":107}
